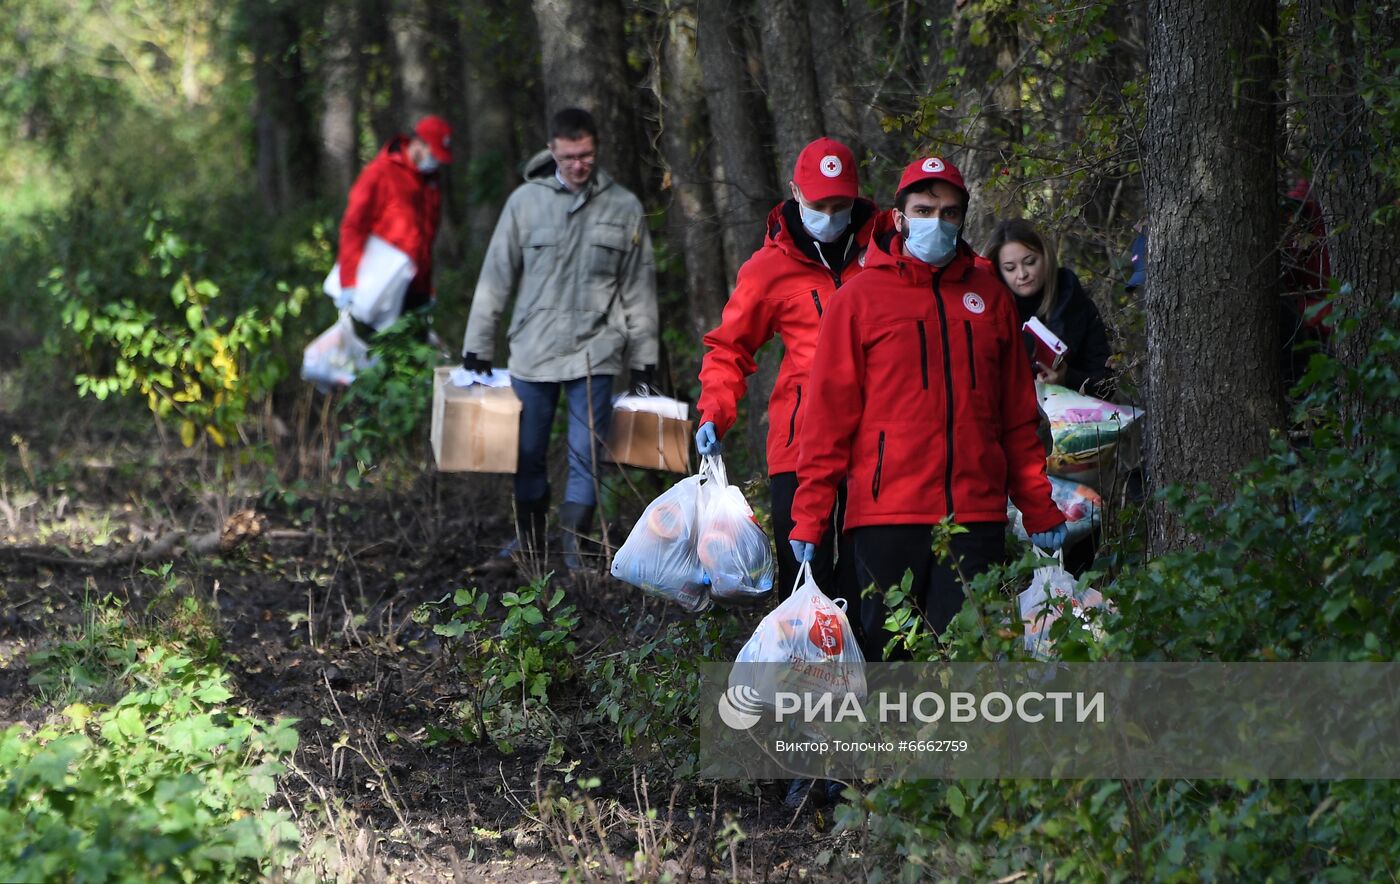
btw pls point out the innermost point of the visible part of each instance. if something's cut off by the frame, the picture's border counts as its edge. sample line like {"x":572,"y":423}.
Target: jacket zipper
{"x":923,"y":352}
{"x":792,"y":420}
{"x":879,"y":467}
{"x":816,"y":300}
{"x":971,"y":353}
{"x":947,"y":386}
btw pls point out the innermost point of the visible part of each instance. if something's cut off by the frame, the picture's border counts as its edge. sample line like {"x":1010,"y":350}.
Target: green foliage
{"x":197,"y":367}
{"x":169,"y":782}
{"x":384,"y":410}
{"x":648,"y":695}
{"x":1299,"y":564}
{"x":510,"y":665}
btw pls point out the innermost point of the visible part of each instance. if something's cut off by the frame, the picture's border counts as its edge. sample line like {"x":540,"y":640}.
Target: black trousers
{"x":884,"y":552}
{"x":832,"y":566}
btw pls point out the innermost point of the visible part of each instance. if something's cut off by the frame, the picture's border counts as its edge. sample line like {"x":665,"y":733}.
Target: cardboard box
{"x":476,"y":429}
{"x":650,"y":441}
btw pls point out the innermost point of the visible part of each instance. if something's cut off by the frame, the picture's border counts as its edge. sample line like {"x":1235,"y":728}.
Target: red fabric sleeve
{"x":356,"y":224}
{"x":746,"y":324}
{"x":834,"y":411}
{"x":1020,"y":415}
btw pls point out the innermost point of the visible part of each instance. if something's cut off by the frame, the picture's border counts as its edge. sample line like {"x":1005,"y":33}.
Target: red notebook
{"x":1049,"y":349}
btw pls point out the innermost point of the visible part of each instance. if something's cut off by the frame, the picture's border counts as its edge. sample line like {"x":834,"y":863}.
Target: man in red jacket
{"x":921,"y":400}
{"x":398,"y":198}
{"x":812,"y":247}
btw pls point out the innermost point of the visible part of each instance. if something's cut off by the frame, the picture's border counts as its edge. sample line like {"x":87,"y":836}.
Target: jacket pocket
{"x":792,"y":419}
{"x":606,"y":247}
{"x":879,"y":464}
{"x":971,"y":354}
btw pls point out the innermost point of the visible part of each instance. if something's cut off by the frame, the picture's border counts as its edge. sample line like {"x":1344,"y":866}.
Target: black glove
{"x":641,"y":381}
{"x":472,"y":362}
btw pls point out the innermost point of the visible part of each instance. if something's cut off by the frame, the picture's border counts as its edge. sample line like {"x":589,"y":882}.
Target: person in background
{"x":1027,"y":263}
{"x":573,"y":246}
{"x":921,"y":400}
{"x":813,"y":246}
{"x":398,"y":198}
{"x":1307,"y":272}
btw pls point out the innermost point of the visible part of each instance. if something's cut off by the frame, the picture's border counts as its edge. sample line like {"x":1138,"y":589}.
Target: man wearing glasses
{"x":573,"y":246}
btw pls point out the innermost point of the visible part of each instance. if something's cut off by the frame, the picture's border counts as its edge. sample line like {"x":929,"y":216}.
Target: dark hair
{"x":926,"y":186}
{"x":572,"y":123}
{"x":1019,"y":230}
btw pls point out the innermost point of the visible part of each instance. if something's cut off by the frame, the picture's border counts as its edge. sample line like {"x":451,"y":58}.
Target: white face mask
{"x":931,"y":240}
{"x":824,"y":227}
{"x":429,"y":164}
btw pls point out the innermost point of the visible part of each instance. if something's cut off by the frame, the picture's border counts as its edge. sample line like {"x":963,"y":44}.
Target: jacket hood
{"x":886,"y":250}
{"x":540,"y":169}
{"x":781,"y":224}
{"x":395,"y":150}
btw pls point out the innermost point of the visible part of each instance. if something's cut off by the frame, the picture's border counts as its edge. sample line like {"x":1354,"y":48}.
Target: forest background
{"x":170,"y":187}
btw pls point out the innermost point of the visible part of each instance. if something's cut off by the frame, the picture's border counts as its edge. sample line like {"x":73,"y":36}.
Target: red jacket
{"x":394,"y":201}
{"x":1307,"y":266}
{"x":922,"y":399}
{"x":780,"y":290}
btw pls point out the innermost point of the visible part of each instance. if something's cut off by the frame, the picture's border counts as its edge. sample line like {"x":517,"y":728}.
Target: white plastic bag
{"x":381,"y":280}
{"x":807,"y":628}
{"x":335,"y":356}
{"x":659,"y":555}
{"x":732,"y":547}
{"x":1082,"y":507}
{"x":1040,"y":605}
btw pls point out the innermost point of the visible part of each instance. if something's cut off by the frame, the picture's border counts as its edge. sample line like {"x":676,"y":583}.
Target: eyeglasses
{"x":582,"y":159}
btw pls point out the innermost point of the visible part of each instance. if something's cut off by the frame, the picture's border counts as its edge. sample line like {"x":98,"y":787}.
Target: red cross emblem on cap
{"x":831,"y":166}
{"x":933,"y":164}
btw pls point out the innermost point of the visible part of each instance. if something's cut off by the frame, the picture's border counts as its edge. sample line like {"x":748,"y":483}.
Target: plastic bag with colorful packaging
{"x":733,"y":549}
{"x":659,"y":556}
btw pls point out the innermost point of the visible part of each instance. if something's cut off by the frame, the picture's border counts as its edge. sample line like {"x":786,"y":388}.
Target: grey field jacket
{"x":582,"y":269}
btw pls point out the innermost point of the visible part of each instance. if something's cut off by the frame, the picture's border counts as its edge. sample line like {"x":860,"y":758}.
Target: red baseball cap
{"x":826,"y":168}
{"x":936,"y":168}
{"x":437,"y":134}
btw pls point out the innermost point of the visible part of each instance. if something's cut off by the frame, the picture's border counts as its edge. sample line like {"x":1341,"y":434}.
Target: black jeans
{"x":884,"y":552}
{"x":832,"y":564}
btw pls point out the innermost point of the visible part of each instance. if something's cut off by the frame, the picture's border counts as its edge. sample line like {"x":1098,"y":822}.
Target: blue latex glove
{"x":706,"y":442}
{"x":1051,"y":540}
{"x":803,"y":552}
{"x":345,"y":298}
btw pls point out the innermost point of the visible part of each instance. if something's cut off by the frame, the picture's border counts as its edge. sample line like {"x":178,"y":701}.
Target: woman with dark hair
{"x":1026,"y":262}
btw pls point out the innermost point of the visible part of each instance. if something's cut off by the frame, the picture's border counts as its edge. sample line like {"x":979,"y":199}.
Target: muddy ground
{"x":316,"y":621}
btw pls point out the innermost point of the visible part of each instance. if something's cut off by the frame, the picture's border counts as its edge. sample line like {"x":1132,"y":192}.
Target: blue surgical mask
{"x":428,"y":165}
{"x":824,"y":227}
{"x":931,"y":240}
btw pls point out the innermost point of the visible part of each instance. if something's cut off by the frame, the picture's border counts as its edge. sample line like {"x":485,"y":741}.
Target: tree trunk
{"x":836,"y":73}
{"x":339,"y":91}
{"x":286,"y":148}
{"x":408,"y":22}
{"x":988,"y":115}
{"x":791,"y":82}
{"x":745,"y":188}
{"x":1343,"y":40}
{"x":683,"y":140}
{"x":1213,"y":379}
{"x":584,"y":63}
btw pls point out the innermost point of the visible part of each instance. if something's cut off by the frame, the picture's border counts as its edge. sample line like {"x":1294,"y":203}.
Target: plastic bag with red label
{"x":732,"y":547}
{"x":812,"y":636}
{"x":659,"y":555}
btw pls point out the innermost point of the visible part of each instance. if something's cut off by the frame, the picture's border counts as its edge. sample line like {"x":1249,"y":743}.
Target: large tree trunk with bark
{"x":1213,"y":379}
{"x":834,"y":65}
{"x":1342,"y":44}
{"x":584,"y":64}
{"x":339,"y":100}
{"x":988,"y":113}
{"x":408,"y":22}
{"x":745,"y":188}
{"x":684,"y":141}
{"x":791,"y":81}
{"x":286,"y":147}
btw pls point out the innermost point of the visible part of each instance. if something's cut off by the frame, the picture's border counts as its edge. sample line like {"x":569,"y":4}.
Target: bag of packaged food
{"x":1081,"y":505}
{"x":732,"y":547}
{"x":810,"y":635}
{"x":1052,"y":587}
{"x":659,"y":555}
{"x":335,"y":356}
